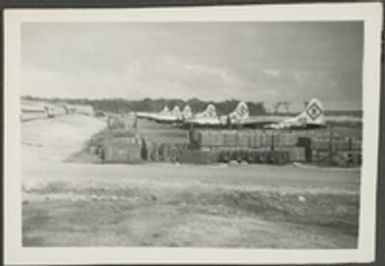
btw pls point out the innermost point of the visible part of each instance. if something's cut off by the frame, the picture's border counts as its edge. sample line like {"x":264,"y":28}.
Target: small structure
{"x":30,"y":110}
{"x":79,"y":109}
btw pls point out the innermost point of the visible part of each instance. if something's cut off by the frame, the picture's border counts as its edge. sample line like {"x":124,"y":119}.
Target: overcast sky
{"x":213,"y":61}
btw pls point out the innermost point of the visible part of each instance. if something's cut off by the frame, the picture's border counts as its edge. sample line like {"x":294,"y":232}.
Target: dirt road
{"x":169,"y":205}
{"x":252,"y":206}
{"x":245,"y":177}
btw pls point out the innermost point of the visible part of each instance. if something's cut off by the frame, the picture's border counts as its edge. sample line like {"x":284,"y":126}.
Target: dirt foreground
{"x":172,"y":205}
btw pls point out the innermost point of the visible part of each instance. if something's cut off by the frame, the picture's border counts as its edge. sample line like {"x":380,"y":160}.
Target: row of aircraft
{"x":311,"y":117}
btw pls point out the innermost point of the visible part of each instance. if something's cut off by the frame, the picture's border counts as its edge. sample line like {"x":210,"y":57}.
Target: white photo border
{"x":369,"y":13}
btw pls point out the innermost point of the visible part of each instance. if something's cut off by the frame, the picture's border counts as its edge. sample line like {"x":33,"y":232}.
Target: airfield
{"x":72,"y":199}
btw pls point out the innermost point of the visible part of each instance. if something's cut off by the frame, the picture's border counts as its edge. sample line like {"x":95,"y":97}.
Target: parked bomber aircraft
{"x":187,"y":113}
{"x":207,"y":118}
{"x":311,"y":117}
{"x":169,"y":117}
{"x":151,"y":115}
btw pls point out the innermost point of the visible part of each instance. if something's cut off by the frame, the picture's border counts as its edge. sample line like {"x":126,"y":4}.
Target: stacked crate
{"x":122,"y":150}
{"x":336,"y":144}
{"x":288,"y":142}
{"x":253,"y":146}
{"x":285,"y":140}
{"x":336,"y":150}
{"x":232,"y":138}
{"x":163,"y":151}
{"x":355,"y":144}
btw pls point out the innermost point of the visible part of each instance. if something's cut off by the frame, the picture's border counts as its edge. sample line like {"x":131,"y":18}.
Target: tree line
{"x":122,"y":106}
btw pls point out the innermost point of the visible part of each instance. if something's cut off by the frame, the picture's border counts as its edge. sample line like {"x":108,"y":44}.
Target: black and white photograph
{"x":184,"y":133}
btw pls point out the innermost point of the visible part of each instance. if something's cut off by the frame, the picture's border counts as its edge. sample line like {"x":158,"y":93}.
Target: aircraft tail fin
{"x":240,"y":113}
{"x":314,"y":113}
{"x":165,"y":110}
{"x":176,"y":112}
{"x":210,"y":112}
{"x":187,"y":113}
{"x":312,"y":117}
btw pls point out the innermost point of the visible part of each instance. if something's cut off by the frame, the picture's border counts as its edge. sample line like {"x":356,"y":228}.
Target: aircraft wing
{"x":203,"y":122}
{"x":252,"y":121}
{"x":260,"y":121}
{"x":208,"y":121}
{"x":167,"y":118}
{"x":342,"y":119}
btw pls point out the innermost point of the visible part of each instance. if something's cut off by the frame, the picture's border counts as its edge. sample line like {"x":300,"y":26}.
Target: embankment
{"x":53,"y":140}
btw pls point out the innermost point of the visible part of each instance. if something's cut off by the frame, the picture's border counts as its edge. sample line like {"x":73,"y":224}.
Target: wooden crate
{"x":122,"y":150}
{"x":285,"y":140}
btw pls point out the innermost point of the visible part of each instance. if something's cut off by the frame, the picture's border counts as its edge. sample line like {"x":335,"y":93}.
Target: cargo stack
{"x":231,"y":139}
{"x":337,"y":151}
{"x":288,"y":143}
{"x":336,"y":144}
{"x":163,"y":151}
{"x":122,"y":150}
{"x":285,"y":140}
{"x":253,"y":146}
{"x":355,"y":144}
{"x":152,"y":152}
{"x":120,"y":145}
